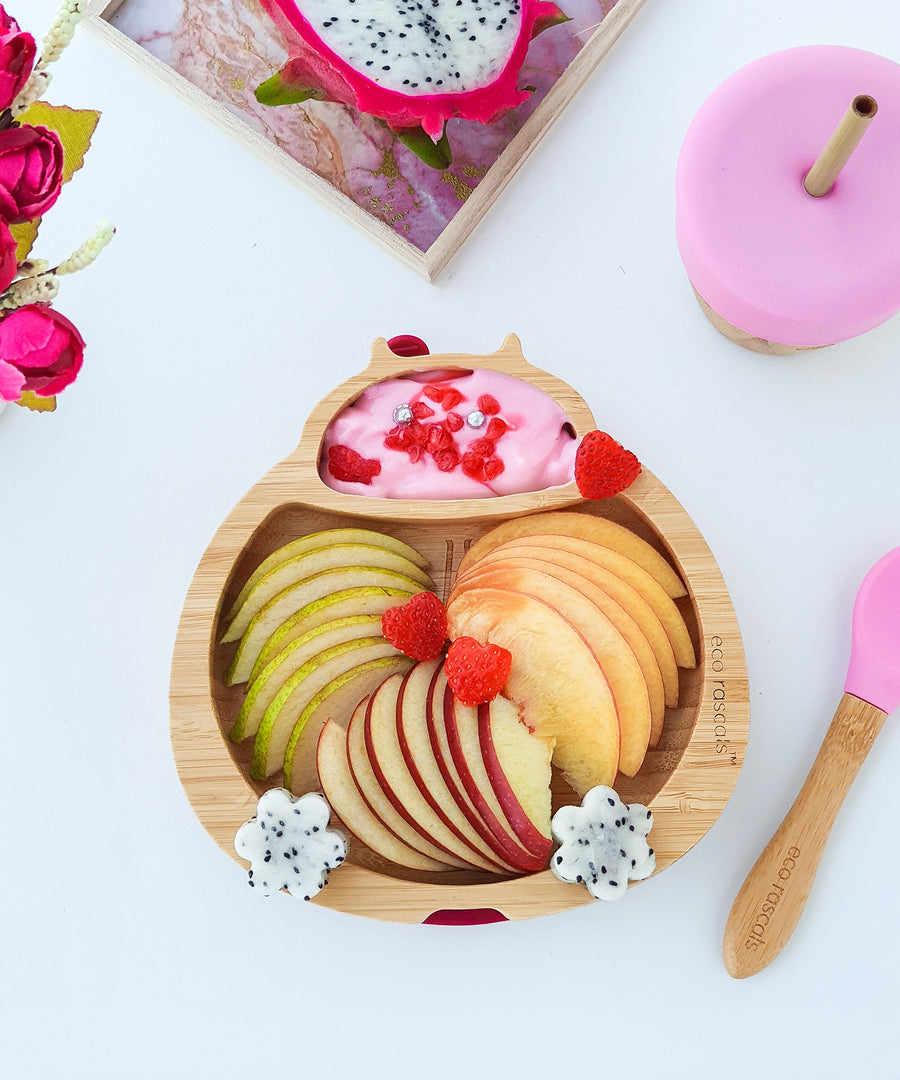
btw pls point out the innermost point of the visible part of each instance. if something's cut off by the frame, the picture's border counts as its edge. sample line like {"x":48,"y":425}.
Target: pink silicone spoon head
{"x":874,"y":671}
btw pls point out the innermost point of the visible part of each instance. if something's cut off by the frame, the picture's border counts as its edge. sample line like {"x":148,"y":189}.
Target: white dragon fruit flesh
{"x":603,"y":844}
{"x":412,"y":63}
{"x":289,"y":845}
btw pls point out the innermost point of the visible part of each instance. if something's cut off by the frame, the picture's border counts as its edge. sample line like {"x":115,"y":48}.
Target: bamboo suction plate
{"x":686,"y":779}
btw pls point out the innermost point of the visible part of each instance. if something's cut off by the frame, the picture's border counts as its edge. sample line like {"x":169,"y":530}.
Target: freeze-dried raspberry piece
{"x":446,"y":396}
{"x":496,"y":429}
{"x":453,"y":421}
{"x":421,"y":411}
{"x":350,"y":466}
{"x":482,"y":447}
{"x":447,"y":460}
{"x":488,"y":404}
{"x":438,"y":438}
{"x":492,"y":468}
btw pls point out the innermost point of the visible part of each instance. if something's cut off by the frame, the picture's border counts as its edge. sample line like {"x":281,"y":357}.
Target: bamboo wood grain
{"x":774,"y":894}
{"x":747,"y":340}
{"x":686,"y":780}
{"x":431,"y":263}
{"x":844,"y":140}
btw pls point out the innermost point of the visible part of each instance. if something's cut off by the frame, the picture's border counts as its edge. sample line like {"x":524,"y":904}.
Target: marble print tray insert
{"x":216,"y":52}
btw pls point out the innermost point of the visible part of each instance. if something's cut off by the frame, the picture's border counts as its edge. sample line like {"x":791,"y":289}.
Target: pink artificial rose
{"x":43,"y":345}
{"x":12,"y":382}
{"x":17,"y":53}
{"x":31,"y":167}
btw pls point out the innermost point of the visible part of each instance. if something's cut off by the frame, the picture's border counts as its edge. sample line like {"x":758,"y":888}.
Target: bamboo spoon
{"x":771,"y":900}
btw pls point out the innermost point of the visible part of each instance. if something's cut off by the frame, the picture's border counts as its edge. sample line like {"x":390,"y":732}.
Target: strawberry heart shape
{"x":418,"y":627}
{"x":476,"y":673}
{"x":603,"y":467}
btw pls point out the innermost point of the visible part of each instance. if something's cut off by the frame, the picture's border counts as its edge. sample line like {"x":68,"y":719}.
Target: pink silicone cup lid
{"x":874,"y":671}
{"x":766,"y":256}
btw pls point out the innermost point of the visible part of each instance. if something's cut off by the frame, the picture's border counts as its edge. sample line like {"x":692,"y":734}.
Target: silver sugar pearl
{"x":475,"y":418}
{"x":403,"y":414}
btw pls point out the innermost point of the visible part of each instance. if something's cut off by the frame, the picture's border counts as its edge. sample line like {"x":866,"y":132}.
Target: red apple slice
{"x":385,"y":698}
{"x":461,"y":723}
{"x":345,"y":800}
{"x":500,"y":839}
{"x":396,"y":781}
{"x":414,"y":742}
{"x":597,"y":530}
{"x":555,"y":679}
{"x":517,"y":763}
{"x":611,"y":650}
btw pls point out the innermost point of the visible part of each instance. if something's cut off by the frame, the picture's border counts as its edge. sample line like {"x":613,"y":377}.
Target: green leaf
{"x":25,"y":236}
{"x":437,"y":155}
{"x":33,"y":401}
{"x":75,"y":127}
{"x":277,"y":91}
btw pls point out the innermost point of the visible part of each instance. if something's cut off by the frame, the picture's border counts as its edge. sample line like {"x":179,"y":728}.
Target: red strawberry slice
{"x":603,"y":467}
{"x":476,"y":673}
{"x":418,"y":627}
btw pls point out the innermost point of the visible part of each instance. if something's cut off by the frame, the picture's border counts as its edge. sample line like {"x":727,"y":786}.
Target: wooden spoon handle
{"x":771,"y":900}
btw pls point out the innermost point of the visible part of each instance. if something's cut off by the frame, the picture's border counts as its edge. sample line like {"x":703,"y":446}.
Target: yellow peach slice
{"x":555,"y":679}
{"x":597,"y":530}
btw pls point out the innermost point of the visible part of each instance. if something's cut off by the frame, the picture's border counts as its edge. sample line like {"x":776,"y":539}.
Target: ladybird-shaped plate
{"x":686,"y":779}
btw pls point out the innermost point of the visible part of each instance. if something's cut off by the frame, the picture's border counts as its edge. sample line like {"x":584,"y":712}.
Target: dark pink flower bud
{"x":17,"y":54}
{"x":43,"y":345}
{"x":31,"y":168}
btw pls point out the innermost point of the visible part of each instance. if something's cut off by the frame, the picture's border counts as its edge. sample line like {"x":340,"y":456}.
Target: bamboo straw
{"x":821,"y":177}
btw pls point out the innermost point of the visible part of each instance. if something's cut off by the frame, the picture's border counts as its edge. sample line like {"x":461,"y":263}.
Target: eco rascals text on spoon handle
{"x":771,"y":900}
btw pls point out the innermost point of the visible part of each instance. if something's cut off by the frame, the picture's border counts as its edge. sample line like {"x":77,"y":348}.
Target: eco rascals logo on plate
{"x":720,"y":706}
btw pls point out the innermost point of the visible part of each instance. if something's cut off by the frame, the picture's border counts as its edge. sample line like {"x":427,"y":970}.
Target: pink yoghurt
{"x":447,"y":435}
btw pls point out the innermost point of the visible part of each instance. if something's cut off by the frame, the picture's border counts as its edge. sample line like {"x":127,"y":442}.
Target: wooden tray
{"x":686,"y":780}
{"x":610,"y":23}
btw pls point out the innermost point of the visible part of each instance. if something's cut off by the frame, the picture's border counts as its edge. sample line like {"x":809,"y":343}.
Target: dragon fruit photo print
{"x":408,"y":116}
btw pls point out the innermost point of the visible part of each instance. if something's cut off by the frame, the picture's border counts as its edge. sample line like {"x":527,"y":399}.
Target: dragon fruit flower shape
{"x":603,"y":844}
{"x":413,"y":63}
{"x":289,"y":845}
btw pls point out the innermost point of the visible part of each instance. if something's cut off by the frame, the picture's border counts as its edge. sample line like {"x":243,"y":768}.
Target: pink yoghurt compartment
{"x":449,"y":435}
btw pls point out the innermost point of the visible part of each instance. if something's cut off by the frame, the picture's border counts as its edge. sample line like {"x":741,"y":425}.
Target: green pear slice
{"x":298,"y":596}
{"x":335,"y":701}
{"x":345,"y":800}
{"x":368,"y":600}
{"x":320,"y":539}
{"x":262,"y":690}
{"x":295,"y":695}
{"x":310,"y":563}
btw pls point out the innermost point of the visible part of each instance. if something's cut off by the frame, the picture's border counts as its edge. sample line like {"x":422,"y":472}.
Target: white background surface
{"x":227,"y":306}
